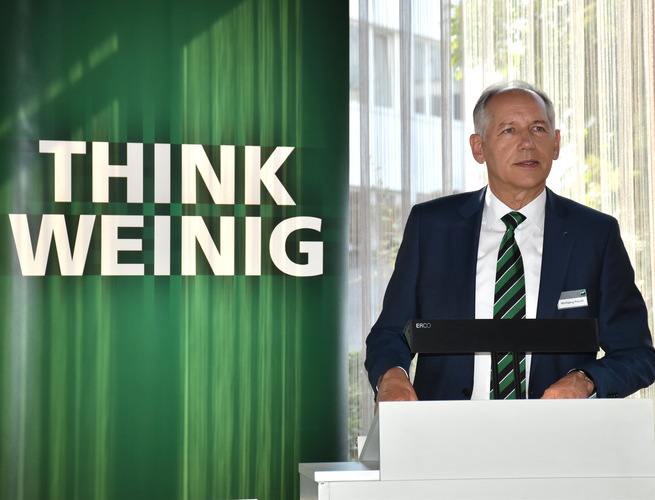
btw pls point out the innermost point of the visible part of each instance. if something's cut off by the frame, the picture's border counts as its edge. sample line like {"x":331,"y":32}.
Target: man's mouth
{"x":528,"y":163}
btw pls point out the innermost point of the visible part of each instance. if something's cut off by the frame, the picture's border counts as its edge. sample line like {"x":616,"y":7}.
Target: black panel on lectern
{"x":457,"y":336}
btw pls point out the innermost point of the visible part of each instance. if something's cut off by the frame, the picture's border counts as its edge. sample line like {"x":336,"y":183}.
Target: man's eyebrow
{"x":534,"y":122}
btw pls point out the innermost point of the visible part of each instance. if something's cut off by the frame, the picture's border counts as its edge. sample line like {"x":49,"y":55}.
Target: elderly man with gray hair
{"x":512,"y":250}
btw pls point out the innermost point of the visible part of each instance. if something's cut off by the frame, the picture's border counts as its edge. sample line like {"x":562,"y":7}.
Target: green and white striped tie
{"x":509,"y":303}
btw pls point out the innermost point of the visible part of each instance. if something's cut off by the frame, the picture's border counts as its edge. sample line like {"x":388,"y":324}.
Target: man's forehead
{"x":512,"y":93}
{"x":503,"y":100}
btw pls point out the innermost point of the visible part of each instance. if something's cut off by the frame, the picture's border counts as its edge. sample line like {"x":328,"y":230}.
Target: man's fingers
{"x":572,"y":386}
{"x":395,"y":386}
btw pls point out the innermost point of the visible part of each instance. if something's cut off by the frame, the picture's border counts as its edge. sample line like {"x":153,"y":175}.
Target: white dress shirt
{"x":530,"y":239}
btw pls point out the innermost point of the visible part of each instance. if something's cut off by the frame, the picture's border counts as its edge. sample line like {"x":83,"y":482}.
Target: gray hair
{"x":480,"y":116}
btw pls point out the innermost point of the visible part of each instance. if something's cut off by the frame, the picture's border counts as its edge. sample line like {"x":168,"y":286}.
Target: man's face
{"x":519,"y":148}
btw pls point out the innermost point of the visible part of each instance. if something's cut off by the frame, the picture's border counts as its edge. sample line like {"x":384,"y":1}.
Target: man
{"x":446,"y":268}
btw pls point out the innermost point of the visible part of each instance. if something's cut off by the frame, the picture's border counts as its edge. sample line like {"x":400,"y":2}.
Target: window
{"x":434,"y":63}
{"x":420,"y":91}
{"x":595,"y":60}
{"x":354,"y":62}
{"x":383,"y":61}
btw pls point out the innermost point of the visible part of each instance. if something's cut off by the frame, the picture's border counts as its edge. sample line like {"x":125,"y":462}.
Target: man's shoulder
{"x":452,"y":203}
{"x":569,"y":208}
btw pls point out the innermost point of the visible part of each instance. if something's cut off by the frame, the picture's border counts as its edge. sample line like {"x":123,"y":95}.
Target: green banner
{"x":173,"y":247}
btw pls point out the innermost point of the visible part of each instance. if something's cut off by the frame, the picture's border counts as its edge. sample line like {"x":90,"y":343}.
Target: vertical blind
{"x":416,"y":70}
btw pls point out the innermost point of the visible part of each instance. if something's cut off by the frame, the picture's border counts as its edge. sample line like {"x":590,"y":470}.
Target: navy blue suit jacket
{"x":434,"y":278}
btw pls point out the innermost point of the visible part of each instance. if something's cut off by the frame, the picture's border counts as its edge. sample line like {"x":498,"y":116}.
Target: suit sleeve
{"x":386,"y":346}
{"x":629,"y":360}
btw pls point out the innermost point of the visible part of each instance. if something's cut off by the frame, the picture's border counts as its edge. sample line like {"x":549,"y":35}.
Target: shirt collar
{"x":494,"y":210}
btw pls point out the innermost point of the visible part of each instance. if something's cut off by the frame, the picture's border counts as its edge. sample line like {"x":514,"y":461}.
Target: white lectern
{"x":497,"y":449}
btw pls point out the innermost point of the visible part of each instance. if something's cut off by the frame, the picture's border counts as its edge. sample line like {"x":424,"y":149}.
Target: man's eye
{"x":539,"y":129}
{"x":508,"y":131}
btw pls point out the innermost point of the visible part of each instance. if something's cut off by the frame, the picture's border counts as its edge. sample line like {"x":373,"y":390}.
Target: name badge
{"x":572,"y":299}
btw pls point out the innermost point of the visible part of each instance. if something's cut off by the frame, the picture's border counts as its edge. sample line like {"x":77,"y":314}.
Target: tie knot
{"x":513,"y":219}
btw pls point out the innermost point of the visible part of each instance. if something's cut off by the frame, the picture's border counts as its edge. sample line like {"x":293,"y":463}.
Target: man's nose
{"x":526,"y":140}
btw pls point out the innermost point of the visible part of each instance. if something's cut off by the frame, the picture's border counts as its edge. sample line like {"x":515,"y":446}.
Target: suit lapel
{"x":558,"y":245}
{"x":464,"y":243}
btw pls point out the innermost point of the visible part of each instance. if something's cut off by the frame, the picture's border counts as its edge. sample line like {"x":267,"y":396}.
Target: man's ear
{"x":476,"y":148}
{"x":557,"y":141}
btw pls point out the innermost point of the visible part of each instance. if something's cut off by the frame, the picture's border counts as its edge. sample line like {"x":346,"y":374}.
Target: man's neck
{"x":517,"y":200}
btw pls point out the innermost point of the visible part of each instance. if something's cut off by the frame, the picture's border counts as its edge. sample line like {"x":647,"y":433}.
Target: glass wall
{"x":417,"y":68}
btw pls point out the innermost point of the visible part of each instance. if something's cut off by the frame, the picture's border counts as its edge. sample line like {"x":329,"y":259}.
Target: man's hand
{"x":394,"y":386}
{"x":574,"y":385}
